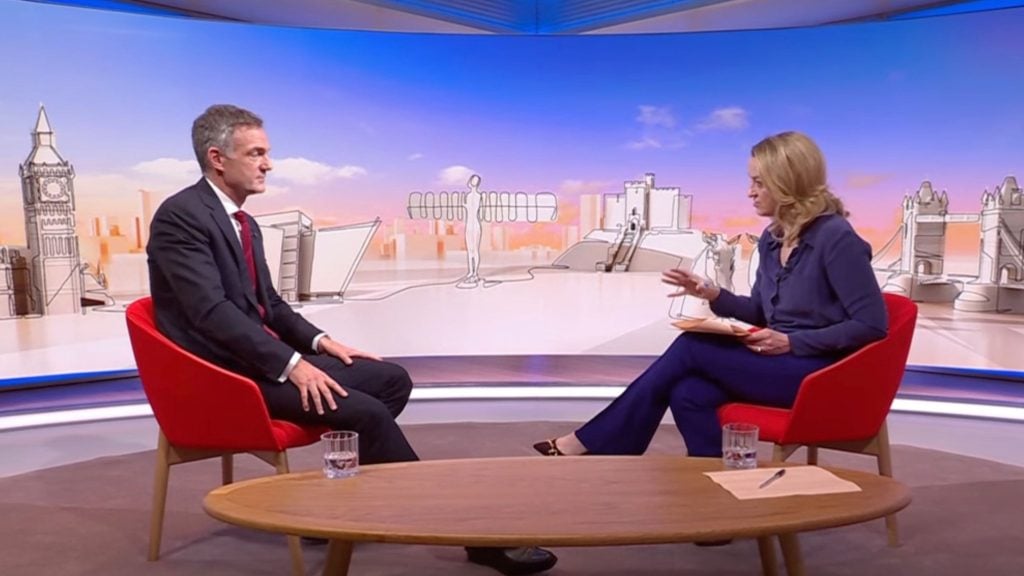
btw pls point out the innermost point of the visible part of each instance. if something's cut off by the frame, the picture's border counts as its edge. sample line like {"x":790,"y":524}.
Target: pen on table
{"x":773,"y":478}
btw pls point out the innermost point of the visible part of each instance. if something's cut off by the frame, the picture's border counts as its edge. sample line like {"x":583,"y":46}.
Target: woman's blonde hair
{"x":793,"y":170}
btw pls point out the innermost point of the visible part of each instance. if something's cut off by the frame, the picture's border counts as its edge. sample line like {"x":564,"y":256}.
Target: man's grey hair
{"x":215,"y":127}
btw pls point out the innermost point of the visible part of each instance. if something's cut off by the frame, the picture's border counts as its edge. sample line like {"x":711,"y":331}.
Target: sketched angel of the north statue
{"x":474,"y":207}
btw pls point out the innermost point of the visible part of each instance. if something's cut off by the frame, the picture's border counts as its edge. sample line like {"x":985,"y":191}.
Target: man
{"x":213,"y":296}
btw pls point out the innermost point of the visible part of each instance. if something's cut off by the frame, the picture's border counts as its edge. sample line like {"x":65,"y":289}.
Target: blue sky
{"x":375,"y":116}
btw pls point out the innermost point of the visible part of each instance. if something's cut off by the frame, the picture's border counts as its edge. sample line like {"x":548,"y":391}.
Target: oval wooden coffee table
{"x":535,"y":501}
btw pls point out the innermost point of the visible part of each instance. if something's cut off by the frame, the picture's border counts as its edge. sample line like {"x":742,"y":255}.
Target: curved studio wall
{"x":375,"y":137}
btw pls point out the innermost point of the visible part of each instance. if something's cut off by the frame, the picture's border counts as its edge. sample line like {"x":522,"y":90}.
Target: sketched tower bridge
{"x":474,"y":207}
{"x":919,"y":270}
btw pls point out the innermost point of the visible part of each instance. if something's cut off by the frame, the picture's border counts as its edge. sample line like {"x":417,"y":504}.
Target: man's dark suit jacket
{"x":202,"y":295}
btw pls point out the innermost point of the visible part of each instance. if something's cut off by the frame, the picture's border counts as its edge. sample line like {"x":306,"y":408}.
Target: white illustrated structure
{"x":471,"y":205}
{"x":46,"y":276}
{"x":919,"y":272}
{"x":15,"y":282}
{"x":717,"y":263}
{"x":308,"y":263}
{"x":474,"y":207}
{"x":1000,"y":283}
{"x":646,"y":228}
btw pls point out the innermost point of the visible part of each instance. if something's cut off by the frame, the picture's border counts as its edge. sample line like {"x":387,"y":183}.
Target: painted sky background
{"x":358,"y":120}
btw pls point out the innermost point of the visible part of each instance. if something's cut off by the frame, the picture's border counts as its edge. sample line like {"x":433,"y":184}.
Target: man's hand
{"x":690,"y":284}
{"x":315,"y":385}
{"x":342,"y":352}
{"x":767,"y":341}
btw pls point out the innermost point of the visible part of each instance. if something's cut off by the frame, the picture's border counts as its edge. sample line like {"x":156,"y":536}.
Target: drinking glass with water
{"x":341,"y":453}
{"x":739,"y":445}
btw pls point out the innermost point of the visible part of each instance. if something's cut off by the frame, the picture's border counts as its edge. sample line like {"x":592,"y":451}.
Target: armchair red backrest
{"x":846,"y":401}
{"x":850,"y":399}
{"x":198,"y":404}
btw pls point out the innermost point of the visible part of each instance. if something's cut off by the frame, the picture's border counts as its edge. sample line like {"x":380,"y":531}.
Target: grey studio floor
{"x":31,"y":449}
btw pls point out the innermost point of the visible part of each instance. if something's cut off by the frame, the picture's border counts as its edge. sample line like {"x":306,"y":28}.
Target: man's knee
{"x":400,"y":379}
{"x":398,"y":389}
{"x":362,"y":414}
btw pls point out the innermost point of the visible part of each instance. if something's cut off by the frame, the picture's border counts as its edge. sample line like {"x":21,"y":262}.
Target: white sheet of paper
{"x":798,"y":480}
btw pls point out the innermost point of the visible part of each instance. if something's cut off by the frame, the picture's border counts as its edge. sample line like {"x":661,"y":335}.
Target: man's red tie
{"x":250,"y":260}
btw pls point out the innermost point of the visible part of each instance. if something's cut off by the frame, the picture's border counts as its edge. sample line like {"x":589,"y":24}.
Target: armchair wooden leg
{"x":885,"y":469}
{"x":782,"y":452}
{"x":281,"y":462}
{"x":160,"y":477}
{"x":766,"y":546}
{"x":227,"y":469}
{"x":812,"y":455}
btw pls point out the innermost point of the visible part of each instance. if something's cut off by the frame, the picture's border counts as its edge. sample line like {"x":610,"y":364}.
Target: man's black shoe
{"x":513,"y":561}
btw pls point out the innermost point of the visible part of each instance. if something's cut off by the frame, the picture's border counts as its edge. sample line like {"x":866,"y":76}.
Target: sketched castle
{"x":647,"y":228}
{"x":644,"y":228}
{"x":45,"y":276}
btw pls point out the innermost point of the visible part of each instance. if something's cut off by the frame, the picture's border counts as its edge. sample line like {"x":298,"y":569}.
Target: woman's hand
{"x":767,"y":342}
{"x":690,"y":284}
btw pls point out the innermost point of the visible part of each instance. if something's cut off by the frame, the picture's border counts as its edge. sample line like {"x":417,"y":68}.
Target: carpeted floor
{"x":92,"y":518}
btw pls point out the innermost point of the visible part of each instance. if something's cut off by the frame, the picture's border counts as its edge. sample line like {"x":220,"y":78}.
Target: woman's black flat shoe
{"x":548,"y":448}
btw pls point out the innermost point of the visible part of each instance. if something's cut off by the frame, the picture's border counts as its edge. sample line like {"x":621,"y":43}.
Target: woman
{"x":815,"y":294}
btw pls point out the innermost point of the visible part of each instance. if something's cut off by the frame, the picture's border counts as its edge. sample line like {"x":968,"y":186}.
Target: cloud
{"x":659,"y":129}
{"x":728,"y":118}
{"x":456,"y":175}
{"x":170,"y":168}
{"x":415,"y":156}
{"x":656,"y":116}
{"x":644,"y":143}
{"x":350,"y":171}
{"x":162,"y":174}
{"x":272,"y":190}
{"x":305,"y":171}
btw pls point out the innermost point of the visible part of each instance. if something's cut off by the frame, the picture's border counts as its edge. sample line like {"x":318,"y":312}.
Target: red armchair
{"x":204,"y":412}
{"x":843,"y":406}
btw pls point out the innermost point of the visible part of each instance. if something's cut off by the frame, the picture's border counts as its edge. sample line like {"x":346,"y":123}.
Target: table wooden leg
{"x":295,"y":549}
{"x":791,"y":553}
{"x":339,"y":554}
{"x":766,"y":546}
